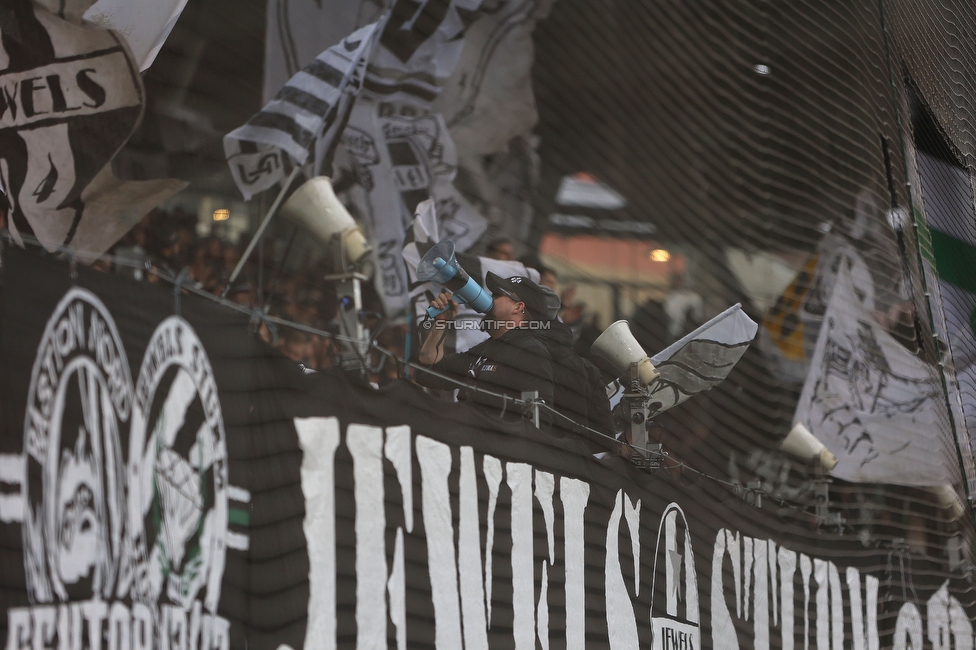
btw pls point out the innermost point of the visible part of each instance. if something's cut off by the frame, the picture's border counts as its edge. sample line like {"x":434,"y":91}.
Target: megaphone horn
{"x":315,"y":207}
{"x":618,"y":346}
{"x":949,"y":499}
{"x":440,"y":265}
{"x":803,"y":444}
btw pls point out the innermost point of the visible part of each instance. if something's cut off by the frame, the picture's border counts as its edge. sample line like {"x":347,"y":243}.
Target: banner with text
{"x":168,"y":481}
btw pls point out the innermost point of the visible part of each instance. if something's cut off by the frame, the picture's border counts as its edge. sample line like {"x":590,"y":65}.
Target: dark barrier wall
{"x":170,"y":482}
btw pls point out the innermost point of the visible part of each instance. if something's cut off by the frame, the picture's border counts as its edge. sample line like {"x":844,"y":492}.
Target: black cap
{"x":542,"y":303}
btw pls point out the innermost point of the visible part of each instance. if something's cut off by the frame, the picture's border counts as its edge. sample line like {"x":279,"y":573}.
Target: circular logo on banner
{"x":79,"y":396}
{"x":177,"y":474}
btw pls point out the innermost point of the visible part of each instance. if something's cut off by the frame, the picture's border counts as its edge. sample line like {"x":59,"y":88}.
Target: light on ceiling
{"x":222,"y":214}
{"x":660,"y":255}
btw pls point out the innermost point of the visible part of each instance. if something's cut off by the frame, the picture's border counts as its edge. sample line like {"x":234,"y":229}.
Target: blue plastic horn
{"x":439,"y":265}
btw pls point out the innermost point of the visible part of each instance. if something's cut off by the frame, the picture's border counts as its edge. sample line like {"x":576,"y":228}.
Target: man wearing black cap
{"x":513,"y":360}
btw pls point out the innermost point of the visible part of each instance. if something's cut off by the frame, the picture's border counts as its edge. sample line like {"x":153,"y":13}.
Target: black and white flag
{"x":702,"y":359}
{"x":877,"y":407}
{"x":288,"y":129}
{"x":70,"y":97}
{"x":399,"y":145}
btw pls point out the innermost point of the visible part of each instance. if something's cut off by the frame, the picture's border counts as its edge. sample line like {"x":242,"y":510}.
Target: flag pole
{"x":261,"y":229}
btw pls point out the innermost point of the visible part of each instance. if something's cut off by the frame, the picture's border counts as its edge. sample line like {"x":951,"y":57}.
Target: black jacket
{"x":516,"y":361}
{"x":579,"y":391}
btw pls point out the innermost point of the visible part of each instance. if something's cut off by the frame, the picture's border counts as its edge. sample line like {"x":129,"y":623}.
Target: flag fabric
{"x":114,"y":207}
{"x":782,"y":328}
{"x":489,"y":106}
{"x":489,"y":99}
{"x":71,"y":96}
{"x":145,"y":24}
{"x":700,"y":360}
{"x":423,"y":233}
{"x":287,"y":131}
{"x":402,"y":160}
{"x":420,"y":47}
{"x":398,"y":146}
{"x":878,"y":408}
{"x":297,"y":30}
{"x":791,"y":326}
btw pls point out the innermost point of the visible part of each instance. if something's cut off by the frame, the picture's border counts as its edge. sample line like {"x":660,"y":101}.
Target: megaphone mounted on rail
{"x":804,"y":445}
{"x":618,"y":346}
{"x":315,"y":207}
{"x":440,"y":265}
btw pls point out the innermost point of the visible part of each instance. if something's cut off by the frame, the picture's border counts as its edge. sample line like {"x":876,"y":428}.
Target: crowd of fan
{"x":169,"y":241}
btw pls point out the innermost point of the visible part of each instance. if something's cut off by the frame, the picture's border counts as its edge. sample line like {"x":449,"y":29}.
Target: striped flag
{"x":289,"y":129}
{"x":420,"y":47}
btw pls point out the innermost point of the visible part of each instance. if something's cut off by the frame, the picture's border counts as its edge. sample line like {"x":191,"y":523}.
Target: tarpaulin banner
{"x":168,"y":481}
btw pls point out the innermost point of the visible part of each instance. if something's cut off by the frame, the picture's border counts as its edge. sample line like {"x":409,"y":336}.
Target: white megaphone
{"x":439,"y":265}
{"x":949,"y":500}
{"x":803,"y":444}
{"x":315,"y":207}
{"x":618,"y":346}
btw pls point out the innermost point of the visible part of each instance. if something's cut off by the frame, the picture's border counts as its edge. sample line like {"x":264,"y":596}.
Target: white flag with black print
{"x":71,"y":97}
{"x":702,"y":359}
{"x":876,"y":406}
{"x":399,"y":147}
{"x":302,"y":119}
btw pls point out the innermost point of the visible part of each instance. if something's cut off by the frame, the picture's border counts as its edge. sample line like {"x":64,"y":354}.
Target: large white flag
{"x":876,"y":406}
{"x":398,"y":145}
{"x":71,"y":98}
{"x":489,"y":99}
